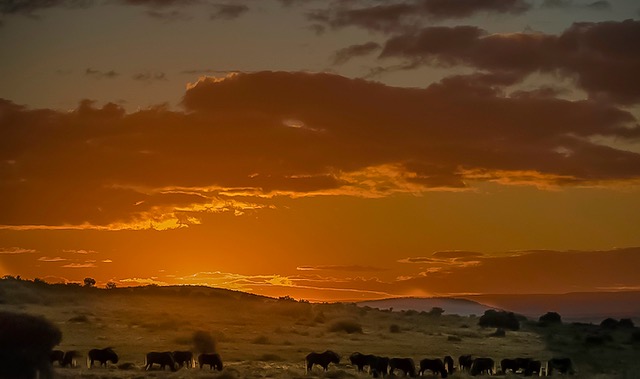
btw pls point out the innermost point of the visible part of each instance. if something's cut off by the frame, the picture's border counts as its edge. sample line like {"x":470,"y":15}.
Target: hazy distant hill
{"x":578,"y":306}
{"x":461,"y":307}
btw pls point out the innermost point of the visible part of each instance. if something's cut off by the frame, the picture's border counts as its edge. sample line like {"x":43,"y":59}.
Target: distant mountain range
{"x":578,"y":306}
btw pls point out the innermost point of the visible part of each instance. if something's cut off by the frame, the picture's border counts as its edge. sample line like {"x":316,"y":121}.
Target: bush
{"x":203,"y":342}
{"x":626,"y":323}
{"x":436,"y":311}
{"x":550,"y":318}
{"x":261,"y":340}
{"x":346,"y":326}
{"x":79,"y":318}
{"x":498,"y":333}
{"x":25,"y":344}
{"x":499,"y":319}
{"x":635,"y":336}
{"x":609,"y":323}
{"x":454,"y":339}
{"x":394,"y":328}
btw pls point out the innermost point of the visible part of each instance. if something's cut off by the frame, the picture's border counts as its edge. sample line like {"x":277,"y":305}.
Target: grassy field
{"x":260,"y":337}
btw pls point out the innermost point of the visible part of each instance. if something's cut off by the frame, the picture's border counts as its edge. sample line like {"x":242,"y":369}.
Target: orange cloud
{"x":246,"y":138}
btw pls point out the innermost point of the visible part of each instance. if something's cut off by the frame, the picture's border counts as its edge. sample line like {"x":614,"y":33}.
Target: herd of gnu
{"x":377,"y":366}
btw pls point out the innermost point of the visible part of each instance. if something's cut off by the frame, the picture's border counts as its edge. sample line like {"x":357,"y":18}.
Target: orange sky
{"x":353,"y":151}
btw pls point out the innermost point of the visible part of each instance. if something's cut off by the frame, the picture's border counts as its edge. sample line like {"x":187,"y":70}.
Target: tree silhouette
{"x":111,"y":285}
{"x":89,"y":282}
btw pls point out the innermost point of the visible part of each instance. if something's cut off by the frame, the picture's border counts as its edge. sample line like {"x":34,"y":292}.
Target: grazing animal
{"x":360,"y":360}
{"x":482,"y":366}
{"x":56,"y":356}
{"x":322,"y":359}
{"x":406,"y":365}
{"x":69,"y":358}
{"x":533,"y":368}
{"x":448,"y":361}
{"x":163,"y":359}
{"x":515,"y":364}
{"x":183,"y":358}
{"x":379,"y":366}
{"x":562,"y":365}
{"x":435,"y":365}
{"x":213,"y":360}
{"x":465,"y":362}
{"x":103,"y":356}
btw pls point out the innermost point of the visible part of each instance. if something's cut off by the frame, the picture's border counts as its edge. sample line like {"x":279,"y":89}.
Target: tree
{"x":436,"y":311}
{"x":550,"y":318}
{"x":499,"y":319}
{"x":89,"y":282}
{"x":111,"y":285}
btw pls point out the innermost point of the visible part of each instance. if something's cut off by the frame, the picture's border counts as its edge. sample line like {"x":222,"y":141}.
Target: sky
{"x":324,"y":150}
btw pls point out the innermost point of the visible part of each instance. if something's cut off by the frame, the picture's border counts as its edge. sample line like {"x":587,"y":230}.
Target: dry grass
{"x":260,"y":337}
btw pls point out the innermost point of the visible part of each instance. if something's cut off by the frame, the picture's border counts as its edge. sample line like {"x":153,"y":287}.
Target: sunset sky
{"x":326,"y":150}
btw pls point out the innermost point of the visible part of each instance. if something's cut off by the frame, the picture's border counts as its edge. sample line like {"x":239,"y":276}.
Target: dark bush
{"x":454,"y":339}
{"x":436,"y":311}
{"x":626,"y":323}
{"x":203,"y":342}
{"x":498,"y":333}
{"x":609,"y":323}
{"x":550,"y":318}
{"x":346,"y":326}
{"x":25,"y":344}
{"x":596,"y":339}
{"x":79,"y":318}
{"x":394,"y":328}
{"x":499,"y":319}
{"x":635,"y":336}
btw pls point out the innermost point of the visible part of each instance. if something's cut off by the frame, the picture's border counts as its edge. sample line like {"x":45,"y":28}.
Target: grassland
{"x":260,"y":337}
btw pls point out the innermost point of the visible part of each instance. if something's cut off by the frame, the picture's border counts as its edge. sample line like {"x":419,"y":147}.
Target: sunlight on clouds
{"x":80,"y":265}
{"x":210,"y":79}
{"x":16,"y":250}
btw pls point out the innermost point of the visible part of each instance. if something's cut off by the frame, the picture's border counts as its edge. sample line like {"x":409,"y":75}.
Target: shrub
{"x":550,"y":318}
{"x":320,"y":318}
{"x":454,"y":339}
{"x":436,"y":311}
{"x":261,"y":340}
{"x":635,"y":336}
{"x":498,"y":333}
{"x":626,"y":323}
{"x":79,"y":318}
{"x":394,"y":328}
{"x":499,"y":319}
{"x":25,"y":344}
{"x":346,"y":326}
{"x":609,"y":323}
{"x":203,"y":342}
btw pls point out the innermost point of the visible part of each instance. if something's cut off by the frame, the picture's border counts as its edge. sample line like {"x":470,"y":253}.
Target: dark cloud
{"x":600,"y":5}
{"x":29,"y":7}
{"x":150,"y":77}
{"x":295,"y":134}
{"x":344,"y":55}
{"x":601,"y":57}
{"x":170,"y":15}
{"x":228,"y":11}
{"x":100,"y":74}
{"x":393,"y":17}
{"x":534,"y":272}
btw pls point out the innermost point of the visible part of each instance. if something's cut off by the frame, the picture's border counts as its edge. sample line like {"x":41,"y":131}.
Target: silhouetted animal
{"x":406,"y":365}
{"x":515,"y":364}
{"x":103,"y":356}
{"x":70,"y":358}
{"x":360,"y":360}
{"x":213,"y":360}
{"x":465,"y":362}
{"x":561,"y":365}
{"x":163,"y":359}
{"x":56,"y":356}
{"x":322,"y":359}
{"x":448,"y":361}
{"x":183,"y":358}
{"x":434,"y":365}
{"x":533,"y":368}
{"x":482,"y":366}
{"x":379,"y":366}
